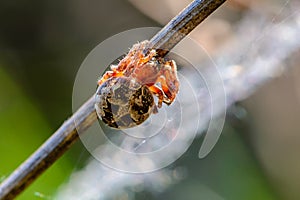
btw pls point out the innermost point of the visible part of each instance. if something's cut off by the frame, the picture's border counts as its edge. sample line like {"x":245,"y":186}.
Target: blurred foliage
{"x":230,"y":171}
{"x":23,"y":128}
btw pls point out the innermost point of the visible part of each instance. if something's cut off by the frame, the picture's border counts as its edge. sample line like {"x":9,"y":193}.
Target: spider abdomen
{"x":121,"y":102}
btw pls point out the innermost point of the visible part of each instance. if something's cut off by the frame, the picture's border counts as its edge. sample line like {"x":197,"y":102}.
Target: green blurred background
{"x":42,"y":44}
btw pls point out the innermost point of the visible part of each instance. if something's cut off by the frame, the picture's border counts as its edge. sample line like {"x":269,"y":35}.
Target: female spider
{"x":124,"y":96}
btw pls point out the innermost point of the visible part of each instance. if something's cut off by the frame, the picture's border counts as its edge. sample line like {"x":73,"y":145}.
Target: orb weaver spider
{"x":124,"y":97}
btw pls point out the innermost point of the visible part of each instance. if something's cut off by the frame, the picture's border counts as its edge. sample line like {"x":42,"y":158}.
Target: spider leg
{"x":109,"y":74}
{"x":169,"y":97}
{"x":159,"y":93}
{"x":123,"y":64}
{"x":169,"y":81}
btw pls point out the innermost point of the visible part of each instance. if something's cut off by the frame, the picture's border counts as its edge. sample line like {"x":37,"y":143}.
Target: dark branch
{"x":183,"y":24}
{"x":49,"y":152}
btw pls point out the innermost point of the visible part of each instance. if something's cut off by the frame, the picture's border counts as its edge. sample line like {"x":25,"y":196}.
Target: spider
{"x":124,"y":96}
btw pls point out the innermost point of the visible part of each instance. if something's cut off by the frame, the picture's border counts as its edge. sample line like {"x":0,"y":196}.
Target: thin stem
{"x":67,"y":134}
{"x":49,"y":152}
{"x":183,"y":24}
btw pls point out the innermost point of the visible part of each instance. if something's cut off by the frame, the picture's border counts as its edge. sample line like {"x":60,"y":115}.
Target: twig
{"x":67,"y":134}
{"x":49,"y":152}
{"x":183,"y":24}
